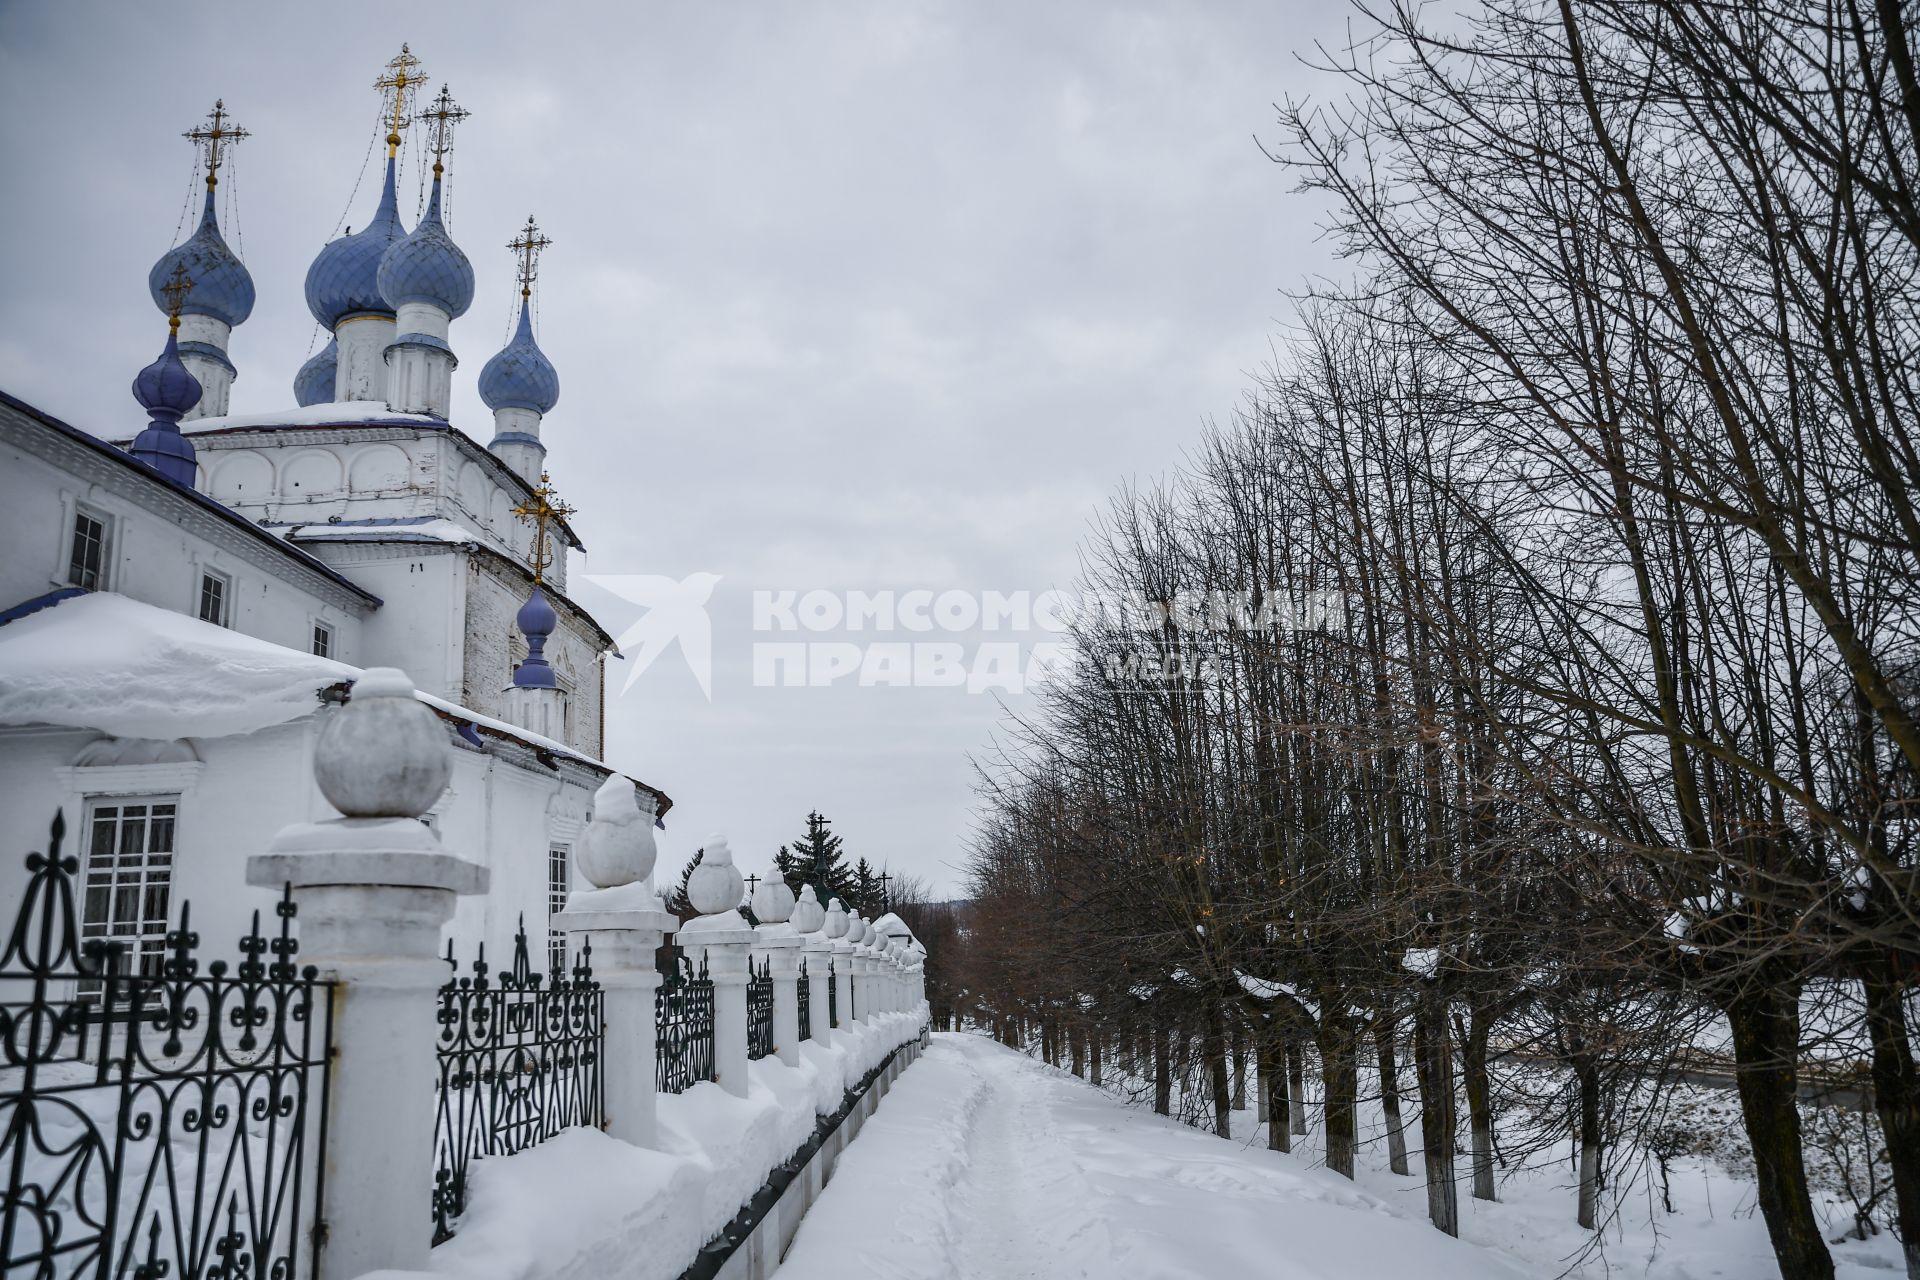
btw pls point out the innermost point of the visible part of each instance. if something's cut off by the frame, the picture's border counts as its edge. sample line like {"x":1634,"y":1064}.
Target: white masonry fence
{"x":561,"y":1071}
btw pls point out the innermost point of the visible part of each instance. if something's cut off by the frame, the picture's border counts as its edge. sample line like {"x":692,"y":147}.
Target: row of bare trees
{"x":1528,"y":670}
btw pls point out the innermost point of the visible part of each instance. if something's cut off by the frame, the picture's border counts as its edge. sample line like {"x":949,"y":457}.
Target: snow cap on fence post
{"x":372,"y":889}
{"x":622,"y":919}
{"x":808,"y":915}
{"x":720,"y":937}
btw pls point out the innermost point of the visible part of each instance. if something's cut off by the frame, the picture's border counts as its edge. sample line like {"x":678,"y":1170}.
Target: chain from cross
{"x":440,"y":119}
{"x":177,"y":287}
{"x":527,"y":246}
{"x":214,"y":137}
{"x":539,"y":510}
{"x":397,"y":84}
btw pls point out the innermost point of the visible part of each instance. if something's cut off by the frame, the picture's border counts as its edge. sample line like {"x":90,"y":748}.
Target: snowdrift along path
{"x":982,"y":1164}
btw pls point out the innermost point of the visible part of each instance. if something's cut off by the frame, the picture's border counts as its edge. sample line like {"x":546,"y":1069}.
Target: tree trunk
{"x":1338,"y":1073}
{"x":1383,"y":1028}
{"x":1587,"y":1072}
{"x":1433,"y":1067}
{"x":1216,"y":1053}
{"x":1271,"y":1053}
{"x":1162,"y":1073}
{"x":1094,"y":1064}
{"x":1296,"y":1090}
{"x":1473,"y":1062}
{"x":1766,"y":1037}
{"x":1896,"y":1097}
{"x":1077,"y":1049}
{"x":1239,"y":1066}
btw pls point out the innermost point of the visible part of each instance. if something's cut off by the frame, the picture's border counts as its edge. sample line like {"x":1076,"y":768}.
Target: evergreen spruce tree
{"x":866,"y":890}
{"x":817,"y":861}
{"x":678,"y":903}
{"x":790,"y":869}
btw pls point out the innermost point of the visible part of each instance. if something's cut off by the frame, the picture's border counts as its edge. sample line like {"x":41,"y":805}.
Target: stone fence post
{"x":622,"y":919}
{"x":837,"y":928}
{"x":808,"y":919}
{"x":777,"y":944}
{"x":721,"y":937}
{"x":373,"y":889}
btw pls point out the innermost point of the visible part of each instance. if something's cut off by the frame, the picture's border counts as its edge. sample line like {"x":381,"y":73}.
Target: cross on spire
{"x":886,"y":895}
{"x":214,"y":137}
{"x":177,"y":287}
{"x":527,"y":246}
{"x":539,"y":510}
{"x":440,"y":119}
{"x":397,"y":84}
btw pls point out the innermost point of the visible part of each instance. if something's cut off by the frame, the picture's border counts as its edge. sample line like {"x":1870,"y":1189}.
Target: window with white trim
{"x":322,"y":640}
{"x":129,"y":876}
{"x":216,"y":598}
{"x":87,"y":552}
{"x":557,"y":863}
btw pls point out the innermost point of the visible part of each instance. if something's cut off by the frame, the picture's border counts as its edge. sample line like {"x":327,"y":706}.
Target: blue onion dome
{"x":536,"y":621}
{"x":345,"y":279}
{"x":222,"y":287}
{"x":165,"y":389}
{"x":428,"y":267}
{"x":520,"y":376}
{"x":315,"y":381}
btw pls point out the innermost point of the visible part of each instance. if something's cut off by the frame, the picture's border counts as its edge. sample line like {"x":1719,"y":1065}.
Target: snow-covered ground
{"x":987,"y":1165}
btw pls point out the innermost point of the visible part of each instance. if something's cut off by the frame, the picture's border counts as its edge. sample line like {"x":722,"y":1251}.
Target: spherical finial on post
{"x":808,"y":915}
{"x":715,"y":885}
{"x":618,"y":846}
{"x":773,"y":902}
{"x":385,"y":754}
{"x":836,"y":921}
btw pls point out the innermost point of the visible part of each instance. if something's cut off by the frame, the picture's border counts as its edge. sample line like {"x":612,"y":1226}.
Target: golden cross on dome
{"x":396,"y":85}
{"x":527,"y":245}
{"x":177,"y":287}
{"x":440,"y":118}
{"x":538,"y":510}
{"x":213,"y":137}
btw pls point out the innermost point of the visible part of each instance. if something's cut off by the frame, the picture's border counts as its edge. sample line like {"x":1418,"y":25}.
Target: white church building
{"x":182,"y":609}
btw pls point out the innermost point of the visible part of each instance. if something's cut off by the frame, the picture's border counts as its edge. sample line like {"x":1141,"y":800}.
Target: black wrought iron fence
{"x":805,"y":998}
{"x":520,"y":1061}
{"x":683,"y":1023}
{"x":833,"y":996}
{"x":161,"y":1123}
{"x":759,"y":1009}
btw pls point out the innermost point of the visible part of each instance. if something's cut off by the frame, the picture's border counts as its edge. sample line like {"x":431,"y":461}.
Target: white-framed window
{"x":216,"y":598}
{"x":322,"y":639}
{"x":129,"y":876}
{"x":558,"y":861}
{"x":88,"y":549}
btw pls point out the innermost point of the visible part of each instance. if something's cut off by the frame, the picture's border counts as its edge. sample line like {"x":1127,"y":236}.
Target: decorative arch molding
{"x":311,"y":473}
{"x":242,"y":476}
{"x":378,"y":468}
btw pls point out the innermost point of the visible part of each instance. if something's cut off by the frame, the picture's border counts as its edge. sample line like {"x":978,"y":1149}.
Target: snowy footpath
{"x":983,"y":1164}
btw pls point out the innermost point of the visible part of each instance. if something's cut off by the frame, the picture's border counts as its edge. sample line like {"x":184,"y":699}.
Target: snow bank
{"x":585,"y":1205}
{"x":103,"y":661}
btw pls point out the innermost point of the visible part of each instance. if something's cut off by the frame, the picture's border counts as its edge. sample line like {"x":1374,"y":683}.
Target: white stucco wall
{"x":154,"y":557}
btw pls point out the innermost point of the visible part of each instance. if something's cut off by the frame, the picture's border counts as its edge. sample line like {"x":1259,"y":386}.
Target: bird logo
{"x":675,"y":611}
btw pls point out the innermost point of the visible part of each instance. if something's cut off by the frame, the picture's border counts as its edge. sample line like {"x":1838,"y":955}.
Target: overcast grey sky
{"x":857,"y":296}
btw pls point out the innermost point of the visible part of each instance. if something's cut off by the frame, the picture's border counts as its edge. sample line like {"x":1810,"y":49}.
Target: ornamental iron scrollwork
{"x":683,"y":1023}
{"x":520,"y":1060}
{"x":804,"y":994}
{"x":760,"y":1009}
{"x":159,"y":1123}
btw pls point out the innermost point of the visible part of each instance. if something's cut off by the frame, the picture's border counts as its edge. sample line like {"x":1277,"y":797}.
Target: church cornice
{"x":259,"y":433}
